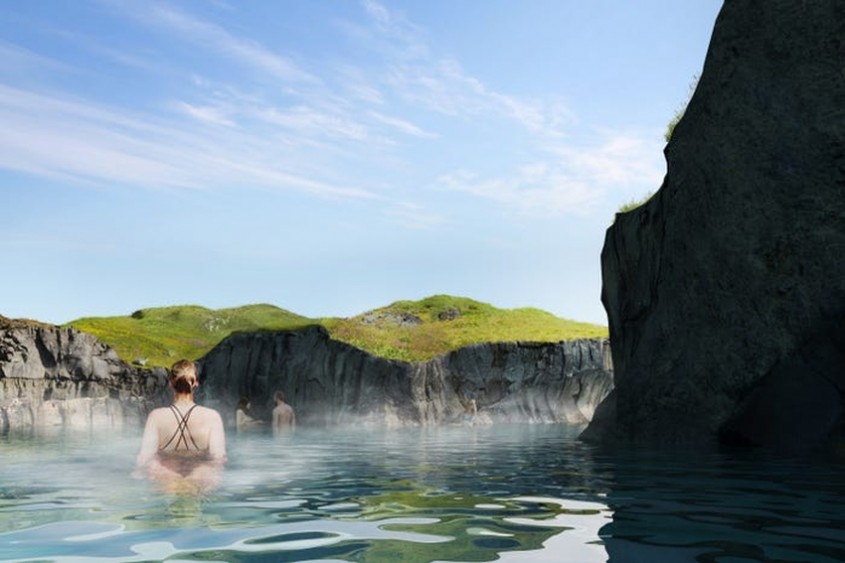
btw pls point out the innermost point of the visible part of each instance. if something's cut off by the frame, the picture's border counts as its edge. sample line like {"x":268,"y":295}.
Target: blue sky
{"x":328,"y":156}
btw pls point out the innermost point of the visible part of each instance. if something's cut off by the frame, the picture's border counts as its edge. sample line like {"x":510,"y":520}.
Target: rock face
{"x":726,"y":291}
{"x":60,"y":377}
{"x":53,"y":377}
{"x":329,"y":382}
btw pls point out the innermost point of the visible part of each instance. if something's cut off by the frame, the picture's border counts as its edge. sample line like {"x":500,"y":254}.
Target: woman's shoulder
{"x":207,"y":412}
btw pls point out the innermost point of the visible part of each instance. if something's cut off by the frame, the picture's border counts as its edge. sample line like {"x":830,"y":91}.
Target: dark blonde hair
{"x":279,"y":396}
{"x":183,"y":376}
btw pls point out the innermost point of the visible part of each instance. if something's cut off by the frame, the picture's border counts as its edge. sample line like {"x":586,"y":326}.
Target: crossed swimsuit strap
{"x":182,"y":419}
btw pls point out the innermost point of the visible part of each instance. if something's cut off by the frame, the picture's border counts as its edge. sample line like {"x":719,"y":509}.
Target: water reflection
{"x":510,"y":492}
{"x":724,"y":506}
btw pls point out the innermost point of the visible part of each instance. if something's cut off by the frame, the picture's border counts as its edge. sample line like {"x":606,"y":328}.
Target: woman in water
{"x":243,"y":419}
{"x":184,"y":444}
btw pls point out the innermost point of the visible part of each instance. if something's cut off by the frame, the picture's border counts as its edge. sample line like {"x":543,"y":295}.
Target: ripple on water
{"x":507,"y":493}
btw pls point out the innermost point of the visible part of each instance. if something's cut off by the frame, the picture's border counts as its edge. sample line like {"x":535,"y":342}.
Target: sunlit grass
{"x":440,"y":330}
{"x":405,"y":330}
{"x":634,"y":203}
{"x":160,"y":336}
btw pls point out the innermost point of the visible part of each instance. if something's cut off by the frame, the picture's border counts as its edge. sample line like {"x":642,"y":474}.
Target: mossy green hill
{"x":405,"y":330}
{"x":160,"y":336}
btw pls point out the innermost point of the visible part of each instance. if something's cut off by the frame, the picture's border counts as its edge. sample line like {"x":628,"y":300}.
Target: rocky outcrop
{"x":52,"y":377}
{"x":329,"y":382}
{"x":60,"y":377}
{"x":725,"y":293}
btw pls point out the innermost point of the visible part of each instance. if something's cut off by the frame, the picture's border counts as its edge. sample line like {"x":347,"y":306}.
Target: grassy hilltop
{"x":405,"y":330}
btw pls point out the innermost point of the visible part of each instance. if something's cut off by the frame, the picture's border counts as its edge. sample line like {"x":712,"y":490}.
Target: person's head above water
{"x":183,"y":376}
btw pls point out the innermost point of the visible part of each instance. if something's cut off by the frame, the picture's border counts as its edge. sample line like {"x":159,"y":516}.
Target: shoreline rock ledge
{"x":725,"y":292}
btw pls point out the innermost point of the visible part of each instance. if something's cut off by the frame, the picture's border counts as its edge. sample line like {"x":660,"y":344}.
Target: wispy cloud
{"x":211,"y":36}
{"x":618,"y":159}
{"x":534,"y":189}
{"x":80,"y":141}
{"x":311,"y":121}
{"x":565,"y":175}
{"x":14,"y":59}
{"x":99,"y":48}
{"x":206,"y":114}
{"x":318,"y":124}
{"x":356,"y":85}
{"x":572,"y":182}
{"x":440,"y":84}
{"x":401,"y":125}
{"x":399,"y":36}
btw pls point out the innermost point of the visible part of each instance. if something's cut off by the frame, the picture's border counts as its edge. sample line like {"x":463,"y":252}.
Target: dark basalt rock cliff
{"x":329,"y":382}
{"x":60,"y":377}
{"x":726,"y":291}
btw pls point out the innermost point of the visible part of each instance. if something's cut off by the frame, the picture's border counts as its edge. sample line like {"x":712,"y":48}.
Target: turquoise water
{"x":493,"y":493}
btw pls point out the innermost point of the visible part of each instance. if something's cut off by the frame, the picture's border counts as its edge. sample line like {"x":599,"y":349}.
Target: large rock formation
{"x":52,"y":377}
{"x":329,"y":382}
{"x":726,"y":292}
{"x":60,"y":377}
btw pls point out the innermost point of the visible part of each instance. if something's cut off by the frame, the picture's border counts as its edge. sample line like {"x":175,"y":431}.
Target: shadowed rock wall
{"x":725,"y":293}
{"x":329,"y":382}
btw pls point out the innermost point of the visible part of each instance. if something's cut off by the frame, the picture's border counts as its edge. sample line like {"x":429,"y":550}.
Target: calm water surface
{"x":506,"y":493}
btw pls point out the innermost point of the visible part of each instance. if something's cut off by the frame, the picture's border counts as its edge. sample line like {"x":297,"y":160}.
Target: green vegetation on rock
{"x":634,"y":203}
{"x":679,"y":113}
{"x":421,"y":330}
{"x":405,"y":330}
{"x":160,"y":336}
{"x":670,"y":130}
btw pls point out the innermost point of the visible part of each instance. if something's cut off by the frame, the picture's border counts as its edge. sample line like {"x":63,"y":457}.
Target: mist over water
{"x":454,"y":493}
